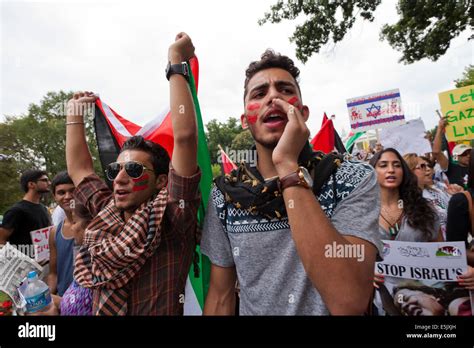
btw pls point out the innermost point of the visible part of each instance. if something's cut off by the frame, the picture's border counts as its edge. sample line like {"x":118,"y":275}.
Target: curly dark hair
{"x":417,"y":209}
{"x":268,"y":60}
{"x":158,"y":155}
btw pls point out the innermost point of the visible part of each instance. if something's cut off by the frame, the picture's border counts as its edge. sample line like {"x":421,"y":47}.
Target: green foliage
{"x":467,"y":78}
{"x":243,"y":141}
{"x":424,"y":30}
{"x":37,"y":139}
{"x":219,"y":133}
{"x":216,"y":170}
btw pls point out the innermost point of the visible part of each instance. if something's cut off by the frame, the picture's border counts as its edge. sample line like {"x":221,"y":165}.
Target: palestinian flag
{"x":327,"y":139}
{"x":112,"y":130}
{"x":350,"y":142}
{"x":226,"y":163}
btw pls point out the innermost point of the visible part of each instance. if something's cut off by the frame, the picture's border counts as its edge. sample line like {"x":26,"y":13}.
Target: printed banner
{"x":375,"y":111}
{"x":406,"y":138}
{"x":421,"y":279}
{"x":457,"y":106}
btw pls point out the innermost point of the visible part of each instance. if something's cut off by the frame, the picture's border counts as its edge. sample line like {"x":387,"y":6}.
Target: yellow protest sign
{"x":457,"y":106}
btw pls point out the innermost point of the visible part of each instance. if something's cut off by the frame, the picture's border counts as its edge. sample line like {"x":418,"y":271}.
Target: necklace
{"x":393,"y":227}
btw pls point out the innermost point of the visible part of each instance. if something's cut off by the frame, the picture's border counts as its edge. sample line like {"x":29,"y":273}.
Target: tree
{"x":424,"y":30}
{"x":37,"y":139}
{"x":243,"y":141}
{"x":219,"y":133}
{"x":467,"y":79}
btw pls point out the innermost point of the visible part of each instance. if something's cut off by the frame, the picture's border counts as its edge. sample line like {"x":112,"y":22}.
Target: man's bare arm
{"x":52,"y":279}
{"x":78,"y":157}
{"x":5,"y":234}
{"x":220,"y":298}
{"x":437,"y":145}
{"x":345,"y":284}
{"x":183,"y":115}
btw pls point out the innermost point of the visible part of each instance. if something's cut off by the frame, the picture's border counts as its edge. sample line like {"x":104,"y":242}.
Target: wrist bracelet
{"x":69,"y":123}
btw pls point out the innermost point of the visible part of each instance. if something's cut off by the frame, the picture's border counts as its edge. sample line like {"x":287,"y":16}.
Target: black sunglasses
{"x":132,"y":168}
{"x":44,"y":180}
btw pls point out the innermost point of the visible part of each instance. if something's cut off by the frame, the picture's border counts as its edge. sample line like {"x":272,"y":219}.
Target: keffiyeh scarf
{"x":113,"y":251}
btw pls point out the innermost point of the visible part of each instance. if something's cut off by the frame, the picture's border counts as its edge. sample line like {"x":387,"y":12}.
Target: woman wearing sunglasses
{"x":140,"y":244}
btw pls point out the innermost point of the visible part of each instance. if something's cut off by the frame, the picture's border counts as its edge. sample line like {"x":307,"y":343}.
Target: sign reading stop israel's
{"x":457,"y":106}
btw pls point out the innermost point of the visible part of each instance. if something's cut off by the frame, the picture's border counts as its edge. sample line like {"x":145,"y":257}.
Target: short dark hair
{"x":159,"y":156}
{"x":268,"y":60}
{"x":470,"y":177}
{"x":62,"y":178}
{"x":30,"y":175}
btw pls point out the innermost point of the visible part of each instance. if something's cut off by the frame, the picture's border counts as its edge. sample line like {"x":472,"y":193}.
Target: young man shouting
{"x":297,"y":248}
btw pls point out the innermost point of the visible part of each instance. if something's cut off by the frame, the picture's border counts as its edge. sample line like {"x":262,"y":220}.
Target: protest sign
{"x":406,"y":138}
{"x":374,"y":111}
{"x":457,"y":106}
{"x":40,"y":240}
{"x":421,"y":279}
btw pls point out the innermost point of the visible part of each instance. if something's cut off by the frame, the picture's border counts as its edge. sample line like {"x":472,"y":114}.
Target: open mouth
{"x":275,"y":118}
{"x":390,"y":178}
{"x":121,"y":194}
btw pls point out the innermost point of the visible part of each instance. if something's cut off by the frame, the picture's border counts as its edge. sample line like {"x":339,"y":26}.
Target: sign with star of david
{"x":375,"y":111}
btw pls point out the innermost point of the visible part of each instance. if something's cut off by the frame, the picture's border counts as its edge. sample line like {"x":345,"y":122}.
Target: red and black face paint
{"x":141,"y":183}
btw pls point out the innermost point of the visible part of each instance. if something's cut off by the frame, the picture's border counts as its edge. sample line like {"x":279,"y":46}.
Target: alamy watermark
{"x":339,"y":250}
{"x":239,"y":156}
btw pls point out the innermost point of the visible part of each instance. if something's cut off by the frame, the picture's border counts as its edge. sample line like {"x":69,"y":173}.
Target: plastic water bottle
{"x":36,"y":294}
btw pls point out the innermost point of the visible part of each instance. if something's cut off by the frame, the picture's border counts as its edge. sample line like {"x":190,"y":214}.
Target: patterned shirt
{"x":158,"y":288}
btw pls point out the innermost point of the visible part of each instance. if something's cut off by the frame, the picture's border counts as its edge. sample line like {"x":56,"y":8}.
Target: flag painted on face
{"x":112,"y":130}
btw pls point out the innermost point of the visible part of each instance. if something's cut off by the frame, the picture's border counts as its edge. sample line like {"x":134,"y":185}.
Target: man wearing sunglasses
{"x":139,"y":247}
{"x":29,"y":214}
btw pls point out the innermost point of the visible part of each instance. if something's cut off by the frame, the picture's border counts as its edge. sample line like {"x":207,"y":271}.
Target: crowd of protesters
{"x":128,"y":250}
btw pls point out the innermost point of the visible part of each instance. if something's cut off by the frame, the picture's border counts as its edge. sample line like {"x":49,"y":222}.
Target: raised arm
{"x":437,"y":145}
{"x":183,"y":115}
{"x":78,"y":157}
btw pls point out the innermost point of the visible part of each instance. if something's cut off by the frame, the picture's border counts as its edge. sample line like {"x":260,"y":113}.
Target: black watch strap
{"x":181,"y":68}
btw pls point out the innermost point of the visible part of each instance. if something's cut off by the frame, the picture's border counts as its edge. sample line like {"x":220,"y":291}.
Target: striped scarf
{"x":114,"y":251}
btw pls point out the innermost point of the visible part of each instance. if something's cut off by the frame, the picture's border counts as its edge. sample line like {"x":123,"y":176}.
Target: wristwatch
{"x":301,"y":177}
{"x":181,"y":68}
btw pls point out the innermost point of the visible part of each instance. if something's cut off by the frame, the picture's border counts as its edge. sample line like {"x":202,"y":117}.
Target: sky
{"x":118,"y":49}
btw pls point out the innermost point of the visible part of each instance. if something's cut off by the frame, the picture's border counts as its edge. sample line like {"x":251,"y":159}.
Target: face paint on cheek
{"x":253,"y":107}
{"x":251,"y":119}
{"x":295,"y":102}
{"x":141,"y":183}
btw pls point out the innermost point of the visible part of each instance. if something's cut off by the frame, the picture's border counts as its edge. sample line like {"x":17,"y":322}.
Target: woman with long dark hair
{"x":404,"y":215}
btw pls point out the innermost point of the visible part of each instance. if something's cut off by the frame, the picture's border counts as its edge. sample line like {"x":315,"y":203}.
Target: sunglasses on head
{"x":132,"y":168}
{"x":422,"y":166}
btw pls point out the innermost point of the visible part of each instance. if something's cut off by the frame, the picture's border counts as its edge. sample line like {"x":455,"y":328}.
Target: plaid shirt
{"x":158,"y":288}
